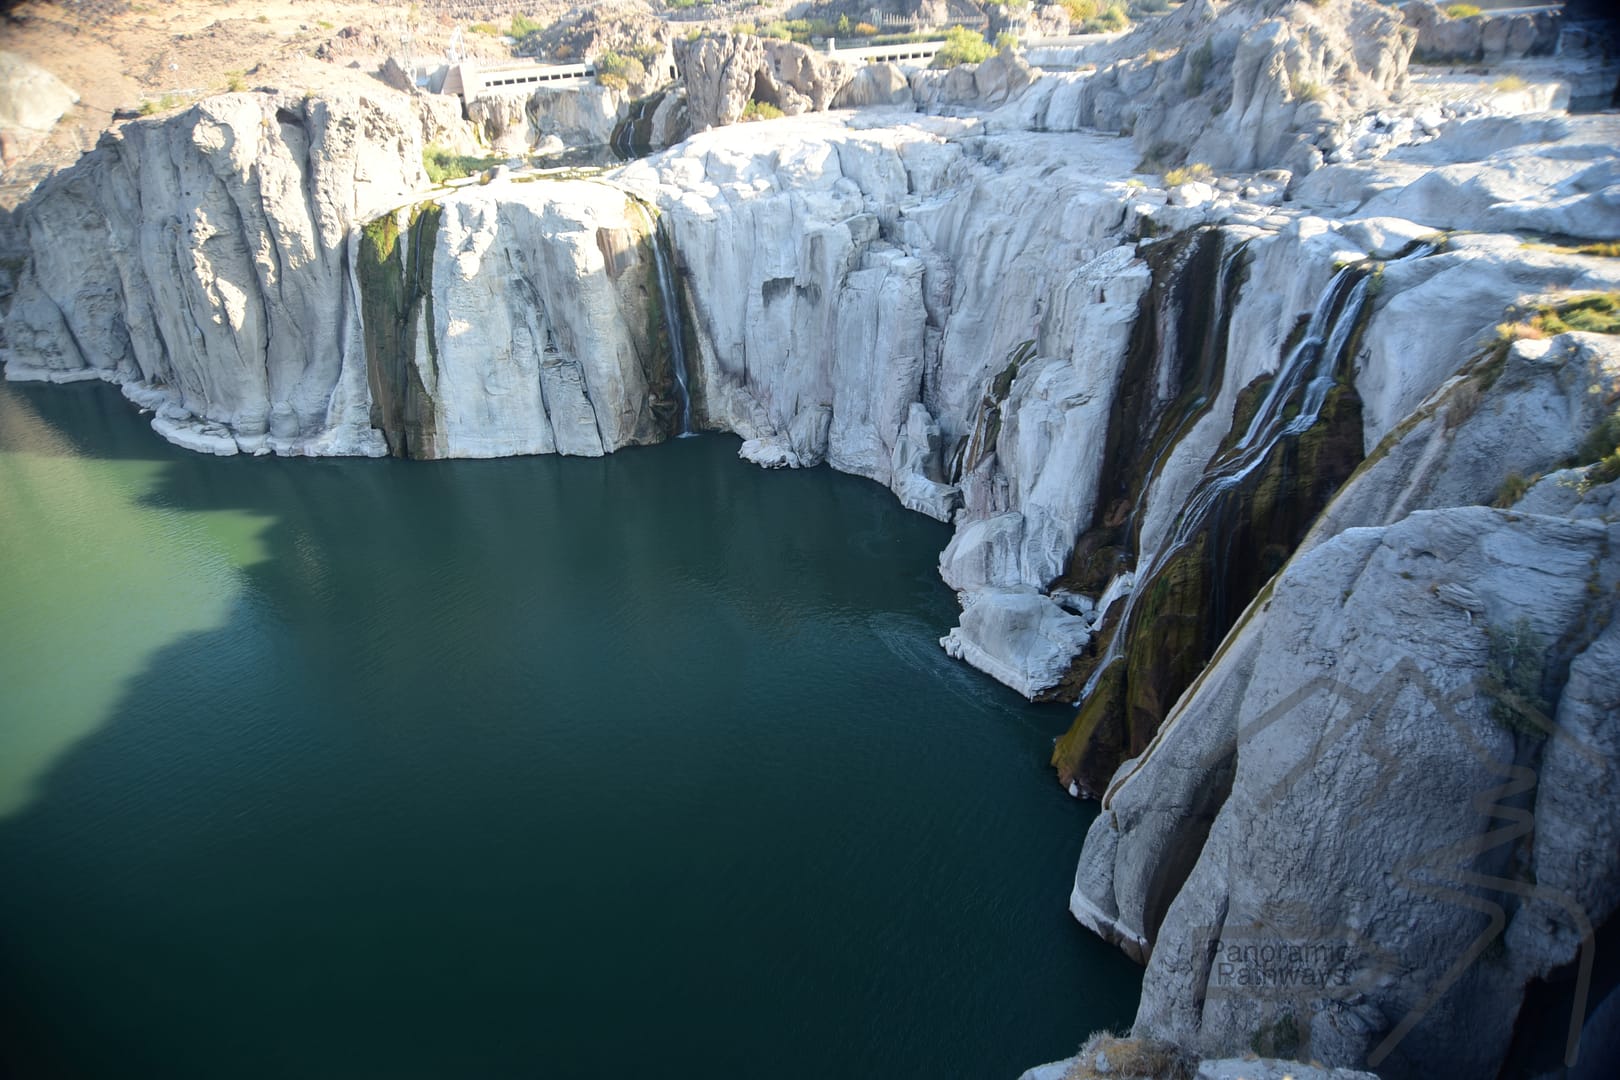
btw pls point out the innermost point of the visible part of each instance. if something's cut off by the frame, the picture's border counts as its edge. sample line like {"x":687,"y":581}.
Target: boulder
{"x":32,"y":100}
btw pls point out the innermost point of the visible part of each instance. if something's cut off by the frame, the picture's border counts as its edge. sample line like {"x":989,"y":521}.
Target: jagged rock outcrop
{"x":524,"y":121}
{"x":875,"y":84}
{"x":1482,"y":37}
{"x":1283,"y":750}
{"x":724,"y":72}
{"x":1250,"y":84}
{"x":993,"y":82}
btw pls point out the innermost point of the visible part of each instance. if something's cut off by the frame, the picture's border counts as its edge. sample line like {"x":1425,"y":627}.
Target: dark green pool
{"x":544,"y":767}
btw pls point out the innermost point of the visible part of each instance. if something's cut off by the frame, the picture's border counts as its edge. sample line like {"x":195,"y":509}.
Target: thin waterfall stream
{"x":670,"y":301}
{"x":1308,"y":367}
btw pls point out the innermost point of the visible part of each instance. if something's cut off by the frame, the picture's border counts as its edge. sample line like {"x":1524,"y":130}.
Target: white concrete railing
{"x":474,"y":80}
{"x":908,"y":54}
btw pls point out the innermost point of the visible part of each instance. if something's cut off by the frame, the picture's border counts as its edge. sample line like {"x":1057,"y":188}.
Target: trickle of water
{"x":669,"y":299}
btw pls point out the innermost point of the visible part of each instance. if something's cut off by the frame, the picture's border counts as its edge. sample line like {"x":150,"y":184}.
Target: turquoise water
{"x":540,"y":767}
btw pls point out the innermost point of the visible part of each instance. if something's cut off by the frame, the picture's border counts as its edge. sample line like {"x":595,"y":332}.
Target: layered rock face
{"x":202,"y":262}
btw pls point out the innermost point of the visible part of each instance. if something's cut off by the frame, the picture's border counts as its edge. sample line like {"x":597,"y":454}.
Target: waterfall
{"x":1308,"y":366}
{"x":670,"y":300}
{"x":1217,"y":325}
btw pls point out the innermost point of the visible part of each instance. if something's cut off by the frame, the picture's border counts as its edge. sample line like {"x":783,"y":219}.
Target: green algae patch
{"x":396,"y":299}
{"x":1096,"y":734}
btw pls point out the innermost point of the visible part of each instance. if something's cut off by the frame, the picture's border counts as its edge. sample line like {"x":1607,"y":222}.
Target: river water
{"x":541,"y":767}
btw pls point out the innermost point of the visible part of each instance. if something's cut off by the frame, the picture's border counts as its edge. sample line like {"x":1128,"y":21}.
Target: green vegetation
{"x":487,"y":29}
{"x":1195,"y":170}
{"x":1609,"y":249}
{"x":1095,"y":17}
{"x":963,"y":46}
{"x":395,"y":296}
{"x":1198,"y":68}
{"x":234,"y":82}
{"x":442,"y":164}
{"x":1461,"y":11}
{"x":1005,"y":41}
{"x":1512,"y":489}
{"x":162,"y":104}
{"x":1594,"y":313}
{"x":682,"y":5}
{"x":619,"y":72}
{"x":760,"y":110}
{"x":522,"y":26}
{"x":1513,"y":679}
{"x":1601,"y":449}
{"x":1509,"y":84}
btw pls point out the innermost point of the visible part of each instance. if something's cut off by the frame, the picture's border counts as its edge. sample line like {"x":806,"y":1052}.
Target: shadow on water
{"x":540,"y":767}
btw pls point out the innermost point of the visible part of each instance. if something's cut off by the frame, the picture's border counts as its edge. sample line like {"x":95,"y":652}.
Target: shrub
{"x":162,"y":104}
{"x":443,"y":164}
{"x":1601,"y":450}
{"x":487,"y":29}
{"x":1461,"y":11}
{"x":1005,"y":41}
{"x":1513,"y":678}
{"x":865,"y":29}
{"x":522,"y":26}
{"x":1509,"y":84}
{"x":1594,"y":313}
{"x":1081,"y":10}
{"x":1511,"y":490}
{"x":963,"y":46}
{"x":234,"y":82}
{"x":744,"y":28}
{"x":1112,"y":18}
{"x":760,"y":110}
{"x":619,"y":72}
{"x":1198,"y":68}
{"x":1195,"y":170}
{"x":682,"y":5}
{"x":1131,"y":1059}
{"x":1306,"y":90}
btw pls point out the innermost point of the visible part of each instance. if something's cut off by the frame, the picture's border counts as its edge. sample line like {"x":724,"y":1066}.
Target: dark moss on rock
{"x":396,"y":308}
